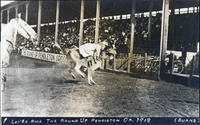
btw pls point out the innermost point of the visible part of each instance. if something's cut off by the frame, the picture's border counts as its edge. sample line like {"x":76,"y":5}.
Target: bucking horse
{"x":79,"y":62}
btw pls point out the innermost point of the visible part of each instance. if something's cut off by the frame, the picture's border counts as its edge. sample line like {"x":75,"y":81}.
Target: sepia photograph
{"x":100,"y":58}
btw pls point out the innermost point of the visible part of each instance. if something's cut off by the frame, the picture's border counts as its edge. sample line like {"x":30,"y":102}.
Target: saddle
{"x":81,"y":57}
{"x":88,"y":59}
{"x":77,"y":50}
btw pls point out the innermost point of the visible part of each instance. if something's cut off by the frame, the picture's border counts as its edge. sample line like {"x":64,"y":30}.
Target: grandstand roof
{"x":70,"y":9}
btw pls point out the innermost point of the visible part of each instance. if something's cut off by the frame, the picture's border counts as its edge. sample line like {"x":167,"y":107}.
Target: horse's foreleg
{"x":77,"y":69}
{"x":91,"y":70}
{"x":90,"y":75}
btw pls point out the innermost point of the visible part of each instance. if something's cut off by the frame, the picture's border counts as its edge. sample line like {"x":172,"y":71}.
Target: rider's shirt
{"x":89,"y":49}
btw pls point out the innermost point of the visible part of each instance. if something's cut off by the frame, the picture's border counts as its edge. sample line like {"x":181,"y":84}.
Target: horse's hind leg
{"x":77,"y":69}
{"x":71,"y":72}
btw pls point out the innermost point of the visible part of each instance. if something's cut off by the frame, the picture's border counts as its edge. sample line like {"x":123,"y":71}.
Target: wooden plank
{"x":39,"y":19}
{"x":132,"y":33}
{"x":81,"y":23}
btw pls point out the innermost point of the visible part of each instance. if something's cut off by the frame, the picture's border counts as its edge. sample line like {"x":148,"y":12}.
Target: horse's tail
{"x":67,"y":51}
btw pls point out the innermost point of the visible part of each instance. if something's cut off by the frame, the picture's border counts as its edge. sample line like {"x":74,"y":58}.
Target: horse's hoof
{"x":4,"y":79}
{"x":83,"y":76}
{"x":94,"y":82}
{"x":90,"y":84}
{"x":73,"y":77}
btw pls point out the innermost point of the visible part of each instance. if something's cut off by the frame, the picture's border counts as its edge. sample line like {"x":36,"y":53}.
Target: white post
{"x":39,"y":19}
{"x":132,"y":34}
{"x":27,"y":6}
{"x":81,"y":23}
{"x":164,"y":33}
{"x":16,"y":11}
{"x":57,"y":21}
{"x":97,"y":21}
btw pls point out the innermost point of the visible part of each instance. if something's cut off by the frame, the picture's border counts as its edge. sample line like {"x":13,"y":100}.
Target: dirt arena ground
{"x":33,"y":90}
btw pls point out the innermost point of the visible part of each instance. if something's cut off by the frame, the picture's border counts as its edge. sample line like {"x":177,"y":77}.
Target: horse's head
{"x":110,"y":52}
{"x":24,"y":29}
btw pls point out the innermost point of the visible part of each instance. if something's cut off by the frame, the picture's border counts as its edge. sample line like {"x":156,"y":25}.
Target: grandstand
{"x":114,"y":26}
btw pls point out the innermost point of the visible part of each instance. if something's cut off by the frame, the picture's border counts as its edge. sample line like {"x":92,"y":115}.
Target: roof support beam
{"x":81,"y":23}
{"x":97,"y":21}
{"x":132,"y":34}
{"x":164,"y":34}
{"x":15,"y":5}
{"x":39,"y":19}
{"x":16,"y":11}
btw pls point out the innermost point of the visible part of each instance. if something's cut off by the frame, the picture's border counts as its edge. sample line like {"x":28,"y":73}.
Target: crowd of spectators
{"x":115,"y":32}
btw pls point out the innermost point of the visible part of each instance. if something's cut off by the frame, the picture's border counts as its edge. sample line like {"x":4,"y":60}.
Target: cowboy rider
{"x":92,"y":50}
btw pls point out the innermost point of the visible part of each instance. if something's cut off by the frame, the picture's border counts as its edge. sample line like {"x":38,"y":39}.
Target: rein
{"x":10,"y":42}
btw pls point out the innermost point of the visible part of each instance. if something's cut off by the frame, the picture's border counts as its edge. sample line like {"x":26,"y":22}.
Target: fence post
{"x":145,"y":61}
{"x":172,"y":62}
{"x":107,"y":63}
{"x":114,"y":63}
